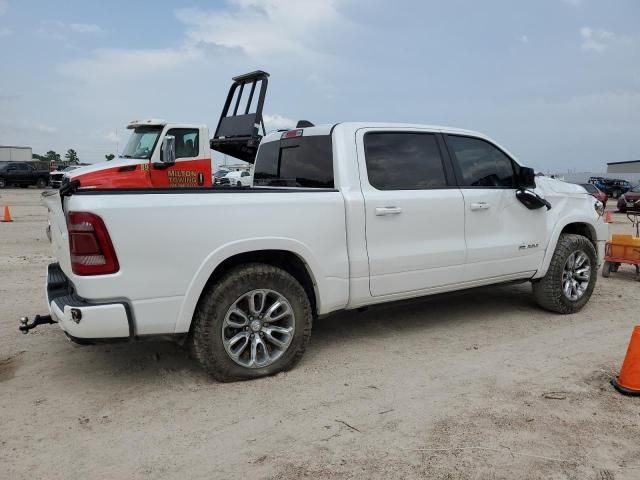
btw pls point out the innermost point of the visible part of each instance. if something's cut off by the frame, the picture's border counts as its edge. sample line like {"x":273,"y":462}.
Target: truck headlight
{"x":599,"y":207}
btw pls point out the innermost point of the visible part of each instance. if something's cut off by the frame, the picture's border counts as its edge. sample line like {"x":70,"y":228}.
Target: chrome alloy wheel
{"x":258,"y":328}
{"x":576,"y":275}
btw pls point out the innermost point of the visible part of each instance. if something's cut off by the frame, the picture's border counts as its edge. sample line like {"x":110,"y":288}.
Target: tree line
{"x":71,"y":157}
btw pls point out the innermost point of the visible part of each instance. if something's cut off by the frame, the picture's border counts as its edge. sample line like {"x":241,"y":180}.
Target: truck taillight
{"x":91,"y":249}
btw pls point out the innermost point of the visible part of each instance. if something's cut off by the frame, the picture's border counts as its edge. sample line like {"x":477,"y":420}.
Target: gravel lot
{"x":480,"y":384}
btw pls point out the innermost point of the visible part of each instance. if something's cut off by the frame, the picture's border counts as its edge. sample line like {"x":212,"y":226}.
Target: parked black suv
{"x":22,"y":174}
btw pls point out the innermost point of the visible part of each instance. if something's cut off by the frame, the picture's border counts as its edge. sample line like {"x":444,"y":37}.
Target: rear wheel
{"x":254,"y":322}
{"x":571,"y":276}
{"x":3,"y":182}
{"x":239,"y":184}
{"x":607,"y":267}
{"x":615,"y":194}
{"x":41,"y":183}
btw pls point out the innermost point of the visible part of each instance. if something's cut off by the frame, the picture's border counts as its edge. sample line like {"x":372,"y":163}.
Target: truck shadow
{"x":170,"y":364}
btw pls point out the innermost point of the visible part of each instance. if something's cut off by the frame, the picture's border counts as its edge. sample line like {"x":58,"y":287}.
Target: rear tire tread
{"x":216,"y":299}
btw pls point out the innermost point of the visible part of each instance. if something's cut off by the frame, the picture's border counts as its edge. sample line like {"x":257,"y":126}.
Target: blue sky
{"x":555,"y":81}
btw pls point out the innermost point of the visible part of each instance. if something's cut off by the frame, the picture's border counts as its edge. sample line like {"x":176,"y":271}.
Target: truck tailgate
{"x":57,"y":229}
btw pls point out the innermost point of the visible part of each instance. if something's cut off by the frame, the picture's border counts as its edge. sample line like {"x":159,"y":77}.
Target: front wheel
{"x":41,"y":183}
{"x":3,"y":183}
{"x":571,"y":276}
{"x":254,"y":322}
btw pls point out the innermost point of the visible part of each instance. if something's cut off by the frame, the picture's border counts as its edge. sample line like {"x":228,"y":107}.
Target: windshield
{"x":141,"y":142}
{"x":221,"y":173}
{"x":635,"y":189}
{"x":68,"y":169}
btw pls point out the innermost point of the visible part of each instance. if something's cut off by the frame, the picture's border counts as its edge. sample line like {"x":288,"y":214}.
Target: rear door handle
{"x":480,"y":206}
{"x":380,"y":211}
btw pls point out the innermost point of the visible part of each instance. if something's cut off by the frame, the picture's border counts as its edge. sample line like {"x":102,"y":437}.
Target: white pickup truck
{"x":340,"y":217}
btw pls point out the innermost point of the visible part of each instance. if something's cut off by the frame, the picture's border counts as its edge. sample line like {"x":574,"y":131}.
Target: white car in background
{"x":238,"y":179}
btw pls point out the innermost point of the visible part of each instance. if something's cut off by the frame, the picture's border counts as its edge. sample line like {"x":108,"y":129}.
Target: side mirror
{"x":526,"y":178}
{"x":168,"y":151}
{"x":532,"y":200}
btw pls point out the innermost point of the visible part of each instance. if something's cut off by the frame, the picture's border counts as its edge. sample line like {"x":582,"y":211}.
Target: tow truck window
{"x":142,"y":142}
{"x":186,"y":142}
{"x":305,"y":162}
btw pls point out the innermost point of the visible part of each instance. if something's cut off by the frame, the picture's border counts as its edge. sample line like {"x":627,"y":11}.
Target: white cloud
{"x":277,"y":122}
{"x":40,"y":128}
{"x":112,"y":137}
{"x":107,"y":63}
{"x":57,"y":30}
{"x":573,"y":3}
{"x":261,"y":26}
{"x":85,"y":28}
{"x":596,"y":40}
{"x":524,"y":39}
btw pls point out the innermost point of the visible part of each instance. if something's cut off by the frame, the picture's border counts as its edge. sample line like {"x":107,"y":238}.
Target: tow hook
{"x":25,"y":326}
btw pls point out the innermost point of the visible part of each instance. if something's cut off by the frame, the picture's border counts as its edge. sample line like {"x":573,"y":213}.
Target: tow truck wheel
{"x":254,"y":322}
{"x":571,"y":276}
{"x":607,"y":268}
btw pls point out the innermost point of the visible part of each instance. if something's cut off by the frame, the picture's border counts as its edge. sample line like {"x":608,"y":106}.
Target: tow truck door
{"x":192,"y":167}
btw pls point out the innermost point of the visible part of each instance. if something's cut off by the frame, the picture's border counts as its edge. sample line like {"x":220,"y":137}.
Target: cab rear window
{"x":305,"y":162}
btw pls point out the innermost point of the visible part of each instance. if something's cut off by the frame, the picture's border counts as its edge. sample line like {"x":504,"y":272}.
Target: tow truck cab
{"x":158,"y":154}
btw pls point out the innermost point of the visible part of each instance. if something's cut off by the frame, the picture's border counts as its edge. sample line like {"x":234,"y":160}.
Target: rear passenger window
{"x":481,"y":163}
{"x":403,"y":161}
{"x":305,"y":162}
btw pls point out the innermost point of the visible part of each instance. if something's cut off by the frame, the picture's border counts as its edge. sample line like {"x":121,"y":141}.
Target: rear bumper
{"x":82,"y":319}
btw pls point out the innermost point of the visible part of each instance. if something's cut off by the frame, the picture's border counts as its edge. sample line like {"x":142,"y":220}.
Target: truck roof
{"x":326,"y":129}
{"x":161,"y":123}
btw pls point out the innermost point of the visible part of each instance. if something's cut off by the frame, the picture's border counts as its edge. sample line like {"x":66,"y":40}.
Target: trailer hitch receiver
{"x":25,"y":326}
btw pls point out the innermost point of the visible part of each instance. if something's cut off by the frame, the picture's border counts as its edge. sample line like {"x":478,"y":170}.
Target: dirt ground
{"x":480,"y":385}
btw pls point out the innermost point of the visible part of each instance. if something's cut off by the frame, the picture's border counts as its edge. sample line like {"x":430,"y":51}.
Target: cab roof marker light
{"x":292,"y":133}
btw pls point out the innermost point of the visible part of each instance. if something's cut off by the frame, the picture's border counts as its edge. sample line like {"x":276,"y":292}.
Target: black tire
{"x":606,"y":269}
{"x":548,"y":290}
{"x":616,"y":194}
{"x":622,"y":210}
{"x":41,"y":183}
{"x":207,"y":343}
{"x":3,"y":182}
{"x":615,"y":267}
{"x":239,"y":184}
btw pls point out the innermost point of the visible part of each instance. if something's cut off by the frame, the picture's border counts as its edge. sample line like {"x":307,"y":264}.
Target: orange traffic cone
{"x":628,"y":382}
{"x":607,"y":217}
{"x":7,"y":215}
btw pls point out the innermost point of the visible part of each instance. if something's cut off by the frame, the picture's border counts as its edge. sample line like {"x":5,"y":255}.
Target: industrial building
{"x":10,"y":153}
{"x":628,"y":167}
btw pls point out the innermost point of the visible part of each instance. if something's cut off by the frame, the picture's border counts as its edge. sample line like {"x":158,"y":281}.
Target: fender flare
{"x":555,"y":236}
{"x":226,"y":251}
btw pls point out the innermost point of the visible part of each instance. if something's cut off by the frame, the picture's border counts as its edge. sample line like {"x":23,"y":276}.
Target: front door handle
{"x":480,"y":206}
{"x":380,"y":211}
